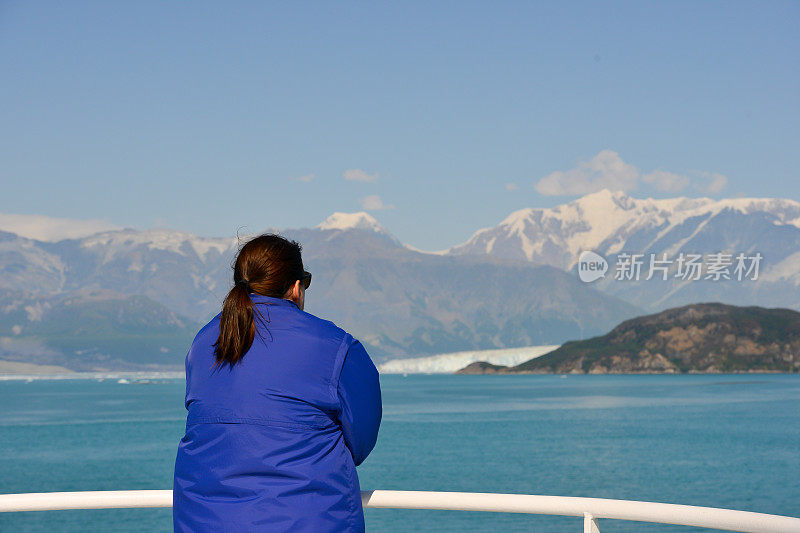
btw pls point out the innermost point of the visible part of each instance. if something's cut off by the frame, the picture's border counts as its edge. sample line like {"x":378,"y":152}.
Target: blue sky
{"x":209,"y":117}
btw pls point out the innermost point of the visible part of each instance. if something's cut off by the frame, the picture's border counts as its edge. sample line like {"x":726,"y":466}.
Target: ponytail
{"x":267,"y":265}
{"x":236,"y":327}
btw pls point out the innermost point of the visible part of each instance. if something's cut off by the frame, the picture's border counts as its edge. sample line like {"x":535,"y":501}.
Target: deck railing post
{"x":590,"y":524}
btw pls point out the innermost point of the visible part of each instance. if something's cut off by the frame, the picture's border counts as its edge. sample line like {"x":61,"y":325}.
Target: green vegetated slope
{"x":707,"y":337}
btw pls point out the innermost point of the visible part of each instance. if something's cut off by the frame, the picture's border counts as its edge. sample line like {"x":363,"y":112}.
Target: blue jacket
{"x":272,"y":444}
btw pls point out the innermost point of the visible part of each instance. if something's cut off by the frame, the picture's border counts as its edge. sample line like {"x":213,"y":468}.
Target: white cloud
{"x":306,"y":178}
{"x":705,"y":182}
{"x":356,"y":174}
{"x":511,"y":187}
{"x":714,"y":182}
{"x":43,"y":228}
{"x":606,"y":170}
{"x":666,"y":181}
{"x":373,"y":202}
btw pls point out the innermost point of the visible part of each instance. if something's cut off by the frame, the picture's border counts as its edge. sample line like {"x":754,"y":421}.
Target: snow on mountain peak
{"x":604,"y":196}
{"x":606,"y":220}
{"x":157,"y":239}
{"x":345,"y":221}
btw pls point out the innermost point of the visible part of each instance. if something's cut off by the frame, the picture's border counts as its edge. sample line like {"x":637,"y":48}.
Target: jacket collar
{"x":261,"y":299}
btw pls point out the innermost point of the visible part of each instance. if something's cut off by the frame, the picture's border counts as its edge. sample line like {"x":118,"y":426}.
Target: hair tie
{"x":243,"y":282}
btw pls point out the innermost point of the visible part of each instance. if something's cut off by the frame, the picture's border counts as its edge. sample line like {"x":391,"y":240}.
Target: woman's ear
{"x":294,"y":293}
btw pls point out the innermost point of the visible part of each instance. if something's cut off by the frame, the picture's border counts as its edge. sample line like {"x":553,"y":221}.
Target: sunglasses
{"x":306,"y":280}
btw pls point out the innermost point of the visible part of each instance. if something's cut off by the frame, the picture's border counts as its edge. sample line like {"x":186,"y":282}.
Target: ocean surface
{"x":729,"y":441}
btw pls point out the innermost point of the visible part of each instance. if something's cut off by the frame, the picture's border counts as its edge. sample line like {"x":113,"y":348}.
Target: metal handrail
{"x":590,"y":509}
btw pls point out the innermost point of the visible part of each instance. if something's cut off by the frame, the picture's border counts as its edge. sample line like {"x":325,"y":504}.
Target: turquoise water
{"x":721,"y":441}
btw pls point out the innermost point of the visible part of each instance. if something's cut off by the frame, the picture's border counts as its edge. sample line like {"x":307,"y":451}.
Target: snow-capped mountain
{"x":180,"y":242}
{"x":342,"y":222}
{"x":177,"y":269}
{"x":614,"y":223}
{"x":508,"y":286}
{"x":399,"y":302}
{"x":346,"y":221}
{"x":609,"y":222}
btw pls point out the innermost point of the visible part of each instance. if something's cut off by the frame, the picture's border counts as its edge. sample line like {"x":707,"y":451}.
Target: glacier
{"x":447,"y":363}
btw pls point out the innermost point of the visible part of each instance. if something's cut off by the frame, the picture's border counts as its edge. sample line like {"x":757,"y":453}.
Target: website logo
{"x":685,"y":266}
{"x":591,"y":266}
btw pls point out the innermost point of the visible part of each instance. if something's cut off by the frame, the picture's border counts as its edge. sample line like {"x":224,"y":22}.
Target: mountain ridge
{"x":405,"y":302}
{"x":397,"y":301}
{"x":595,"y":221}
{"x":92,"y":330}
{"x":697,"y":338}
{"x":787,"y":211}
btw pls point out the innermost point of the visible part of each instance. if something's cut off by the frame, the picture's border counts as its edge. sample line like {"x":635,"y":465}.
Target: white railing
{"x":591,"y":509}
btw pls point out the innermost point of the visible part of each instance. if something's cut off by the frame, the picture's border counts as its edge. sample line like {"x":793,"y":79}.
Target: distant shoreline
{"x":139,"y":377}
{"x":127,"y":375}
{"x":689,"y":373}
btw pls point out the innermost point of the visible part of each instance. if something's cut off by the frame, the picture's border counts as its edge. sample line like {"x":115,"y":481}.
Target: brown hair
{"x":269,"y":265}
